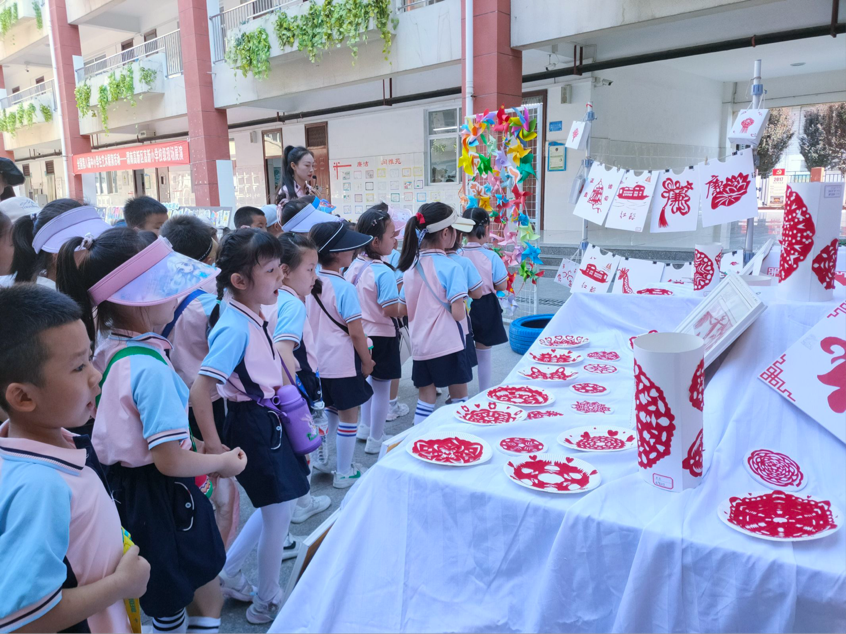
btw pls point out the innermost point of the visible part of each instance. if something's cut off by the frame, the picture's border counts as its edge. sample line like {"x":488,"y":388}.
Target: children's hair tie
{"x":420,"y":218}
{"x":86,"y":244}
{"x":421,"y":233}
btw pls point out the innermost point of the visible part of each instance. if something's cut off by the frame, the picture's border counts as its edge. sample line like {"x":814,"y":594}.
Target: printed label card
{"x":634,"y":197}
{"x":812,"y":373}
{"x":596,"y":271}
{"x":675,"y":204}
{"x":598,"y":193}
{"x":566,"y":272}
{"x":579,"y":132}
{"x":728,"y":189}
{"x":634,"y":275}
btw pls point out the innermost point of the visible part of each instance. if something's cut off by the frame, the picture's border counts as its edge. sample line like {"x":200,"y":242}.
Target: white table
{"x":421,"y":547}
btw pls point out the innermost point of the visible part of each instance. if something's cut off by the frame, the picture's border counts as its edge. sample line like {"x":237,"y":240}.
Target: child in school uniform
{"x":61,"y":546}
{"x":141,"y":426}
{"x":246,"y":367}
{"x":485,"y":312}
{"x":434,"y":289}
{"x":380,"y":308}
{"x":474,"y":287}
{"x":335,"y":313}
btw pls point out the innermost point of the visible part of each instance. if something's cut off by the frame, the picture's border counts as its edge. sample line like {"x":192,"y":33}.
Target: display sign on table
{"x":811,"y":374}
{"x":675,"y":205}
{"x":728,"y":189}
{"x":634,"y":275}
{"x":634,"y":197}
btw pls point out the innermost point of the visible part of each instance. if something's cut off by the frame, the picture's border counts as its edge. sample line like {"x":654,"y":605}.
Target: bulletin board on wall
{"x":397,"y":179}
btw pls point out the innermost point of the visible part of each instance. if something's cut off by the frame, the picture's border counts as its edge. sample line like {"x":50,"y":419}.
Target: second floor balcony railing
{"x":410,"y":5}
{"x":44,"y":88}
{"x":222,"y":23}
{"x":168,"y":44}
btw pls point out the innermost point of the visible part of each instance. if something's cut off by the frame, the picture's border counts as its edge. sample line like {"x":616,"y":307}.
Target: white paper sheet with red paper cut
{"x":566,"y":272}
{"x":731,"y":262}
{"x":634,"y":197}
{"x":811,"y":374}
{"x":747,"y":127}
{"x":595,"y":271}
{"x":579,"y":132}
{"x":598,"y":193}
{"x":728,"y":189}
{"x":675,"y":205}
{"x":681,"y":275}
{"x":634,"y":275}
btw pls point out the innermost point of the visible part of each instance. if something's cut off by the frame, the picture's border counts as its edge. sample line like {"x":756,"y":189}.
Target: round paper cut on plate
{"x":553,"y":473}
{"x":600,"y":368}
{"x":450,"y":449}
{"x":547,"y":373}
{"x":604,"y":355}
{"x":521,"y":395}
{"x":589,"y":388}
{"x":598,"y":438}
{"x":556,"y":356}
{"x":780,"y":516}
{"x":489,"y":413}
{"x":775,"y":470}
{"x":563,"y":341}
{"x":590,"y":407}
{"x":543,"y":413}
{"x":518,"y":446}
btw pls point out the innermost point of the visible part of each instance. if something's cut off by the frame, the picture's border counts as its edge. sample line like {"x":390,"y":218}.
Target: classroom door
{"x":317,"y":141}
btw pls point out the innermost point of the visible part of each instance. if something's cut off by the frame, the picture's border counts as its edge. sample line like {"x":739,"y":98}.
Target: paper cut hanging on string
{"x":596,"y":271}
{"x":675,"y":204}
{"x":812,"y":373}
{"x":728,"y":189}
{"x":634,"y":197}
{"x":566,"y":272}
{"x":634,"y":275}
{"x":748,"y":126}
{"x":731,"y":262}
{"x":579,"y":132}
{"x":682,"y":275}
{"x":598,"y":193}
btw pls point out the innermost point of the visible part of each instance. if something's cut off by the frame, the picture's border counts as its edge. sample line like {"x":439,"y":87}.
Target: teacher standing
{"x":297,"y":175}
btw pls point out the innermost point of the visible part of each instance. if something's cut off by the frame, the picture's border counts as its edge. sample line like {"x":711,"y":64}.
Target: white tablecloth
{"x":421,"y":547}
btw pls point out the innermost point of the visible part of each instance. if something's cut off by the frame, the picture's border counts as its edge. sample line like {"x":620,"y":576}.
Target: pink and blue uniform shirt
{"x":242,"y":358}
{"x":292,"y":324}
{"x":189,"y":338}
{"x":488,"y":264}
{"x":434,"y":332}
{"x":377,"y":289}
{"x":143,"y":402}
{"x":341,"y":300}
{"x":59,"y":524}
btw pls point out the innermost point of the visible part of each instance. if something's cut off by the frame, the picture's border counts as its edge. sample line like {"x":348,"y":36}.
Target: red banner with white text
{"x":132,"y":158}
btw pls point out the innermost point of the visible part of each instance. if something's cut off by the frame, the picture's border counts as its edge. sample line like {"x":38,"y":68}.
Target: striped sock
{"x":345,"y":446}
{"x":423,"y":410}
{"x":171,"y":624}
{"x":203,"y":624}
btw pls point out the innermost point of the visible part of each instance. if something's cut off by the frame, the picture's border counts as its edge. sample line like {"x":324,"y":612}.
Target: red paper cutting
{"x":727,"y":192}
{"x":601,"y":442}
{"x":518,"y":395}
{"x":655,"y":291}
{"x":823,"y":264}
{"x":556,"y":357}
{"x":677,"y":197}
{"x":655,"y":420}
{"x":797,"y":235}
{"x":632,"y":339}
{"x":600,"y":368}
{"x":590,"y":388}
{"x":449,"y":450}
{"x":775,"y":468}
{"x":693,"y":462}
{"x":489,"y":415}
{"x":604,"y":355}
{"x":564,"y":340}
{"x":521,"y":445}
{"x":591,"y":407}
{"x":553,"y":475}
{"x":560,"y":374}
{"x":697,"y":387}
{"x":781,"y":515}
{"x":704,"y":270}
{"x":836,"y":377}
{"x":543,"y":413}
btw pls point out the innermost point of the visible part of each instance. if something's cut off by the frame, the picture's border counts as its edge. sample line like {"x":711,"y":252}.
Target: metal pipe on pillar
{"x":757,"y":94}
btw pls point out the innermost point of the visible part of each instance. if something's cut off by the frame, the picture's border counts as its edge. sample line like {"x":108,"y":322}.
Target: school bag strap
{"x":332,"y":319}
{"x":181,"y":309}
{"x":360,"y":273}
{"x":446,"y":305}
{"x":129,"y":351}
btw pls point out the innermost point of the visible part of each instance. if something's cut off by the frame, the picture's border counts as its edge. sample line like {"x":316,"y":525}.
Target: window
{"x":39,"y":80}
{"x":442,"y":145}
{"x":16,"y":89}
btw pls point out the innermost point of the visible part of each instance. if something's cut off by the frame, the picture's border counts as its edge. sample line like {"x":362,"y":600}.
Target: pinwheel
{"x":509,"y":288}
{"x":509,"y":304}
{"x":485,"y":117}
{"x":485,"y":203}
{"x":467,"y":162}
{"x":529,"y":131}
{"x":519,"y":201}
{"x":484,"y":164}
{"x":528,"y":273}
{"x":512,"y":258}
{"x":501,"y":120}
{"x":501,"y":200}
{"x":527,"y":234}
{"x":510,"y":237}
{"x":531,"y":253}
{"x":526,"y":169}
{"x":472,"y":201}
{"x":517,"y":151}
{"x":523,"y":220}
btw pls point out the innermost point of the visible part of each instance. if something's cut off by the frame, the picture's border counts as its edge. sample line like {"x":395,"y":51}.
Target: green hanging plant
{"x":21,"y":115}
{"x":103,"y":101}
{"x":46,"y":113}
{"x":126,"y":84}
{"x":10,"y":122}
{"x":286,"y":29}
{"x":8,"y":16}
{"x":39,"y":19}
{"x":147,"y":76}
{"x":82,"y":93}
{"x":29,"y":114}
{"x":249,"y":52}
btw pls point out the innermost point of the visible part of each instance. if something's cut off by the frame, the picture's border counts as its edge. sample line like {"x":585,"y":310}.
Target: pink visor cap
{"x":154,"y":276}
{"x":75,"y":223}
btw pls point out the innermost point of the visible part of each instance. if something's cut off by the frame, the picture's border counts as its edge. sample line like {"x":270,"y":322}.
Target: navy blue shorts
{"x":172,"y":523}
{"x":486,"y":317}
{"x":347,"y":392}
{"x":470,"y":350}
{"x":386,"y":356}
{"x":274,"y":473}
{"x":452,"y":369}
{"x":219,"y":411}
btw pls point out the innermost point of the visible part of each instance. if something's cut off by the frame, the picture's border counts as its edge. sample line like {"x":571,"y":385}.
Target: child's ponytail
{"x":410,"y":243}
{"x":69,"y":280}
{"x":23,"y":260}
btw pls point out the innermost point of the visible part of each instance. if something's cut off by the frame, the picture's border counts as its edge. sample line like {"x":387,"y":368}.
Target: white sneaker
{"x":439,"y":391}
{"x":400,"y":409}
{"x":346,"y":480}
{"x":363,"y":432}
{"x":236,"y":587}
{"x":291,"y":548}
{"x":317,"y":504}
{"x":264,"y":611}
{"x":320,"y":458}
{"x":374,"y":445}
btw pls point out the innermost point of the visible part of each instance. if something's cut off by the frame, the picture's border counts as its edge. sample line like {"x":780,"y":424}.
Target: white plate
{"x":547,"y":476}
{"x":600,"y":368}
{"x":591,"y":408}
{"x":607,"y":437}
{"x":526,"y":390}
{"x":563,"y":341}
{"x":775,"y":470}
{"x":489,"y":413}
{"x":605,"y":356}
{"x":547,"y":373}
{"x":556,"y":356}
{"x":594,"y":386}
{"x":724,"y":509}
{"x":452,"y":439}
{"x":521,"y":445}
